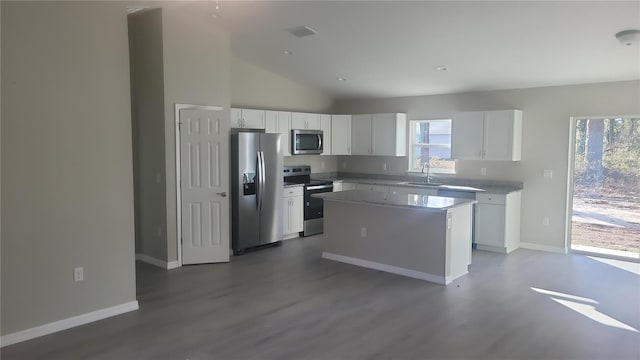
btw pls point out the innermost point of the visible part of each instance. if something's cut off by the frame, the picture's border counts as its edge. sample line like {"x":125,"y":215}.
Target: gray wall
{"x":67,"y":179}
{"x":255,"y":87}
{"x":545,"y":143}
{"x":148,"y":126}
{"x":196,"y":71}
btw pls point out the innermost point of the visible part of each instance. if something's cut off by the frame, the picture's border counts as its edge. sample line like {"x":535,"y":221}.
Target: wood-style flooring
{"x":288,"y":303}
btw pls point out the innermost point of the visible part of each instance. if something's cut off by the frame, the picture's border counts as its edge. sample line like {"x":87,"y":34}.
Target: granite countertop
{"x":290,"y":185}
{"x":438,"y":203}
{"x":493,"y":187}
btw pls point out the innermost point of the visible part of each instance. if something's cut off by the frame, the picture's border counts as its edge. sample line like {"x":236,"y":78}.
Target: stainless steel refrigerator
{"x":257,"y":189}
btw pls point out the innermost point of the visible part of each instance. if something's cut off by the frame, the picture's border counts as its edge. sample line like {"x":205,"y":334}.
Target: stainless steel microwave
{"x":305,"y":142}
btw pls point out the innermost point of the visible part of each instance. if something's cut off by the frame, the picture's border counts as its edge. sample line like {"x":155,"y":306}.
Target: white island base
{"x":431,"y":243}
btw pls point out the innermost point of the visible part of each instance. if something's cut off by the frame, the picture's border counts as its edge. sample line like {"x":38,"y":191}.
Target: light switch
{"x":547,"y":173}
{"x":363,"y":232}
{"x":483,"y":171}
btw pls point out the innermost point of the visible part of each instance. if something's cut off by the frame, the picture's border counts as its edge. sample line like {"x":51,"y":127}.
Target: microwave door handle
{"x":319,"y":142}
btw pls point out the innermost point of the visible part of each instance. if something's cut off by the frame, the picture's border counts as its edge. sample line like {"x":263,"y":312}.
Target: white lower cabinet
{"x":292,"y":211}
{"x":403,"y":190}
{"x":378,"y":188}
{"x":497,"y":222}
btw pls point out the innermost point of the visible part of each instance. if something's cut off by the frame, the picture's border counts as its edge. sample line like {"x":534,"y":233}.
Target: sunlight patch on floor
{"x":631,"y":267}
{"x":577,"y":304}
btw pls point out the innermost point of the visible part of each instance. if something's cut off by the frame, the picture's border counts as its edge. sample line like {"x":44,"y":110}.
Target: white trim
{"x":389,"y":268}
{"x":176,"y":119}
{"x":547,"y":248}
{"x":68,"y":323}
{"x":157,"y":262}
{"x":172,"y":265}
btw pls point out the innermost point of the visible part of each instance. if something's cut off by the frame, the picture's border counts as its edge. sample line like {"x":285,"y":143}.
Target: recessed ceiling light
{"x":287,"y":52}
{"x":441,"y":68}
{"x":302,"y":31}
{"x":340,"y":78}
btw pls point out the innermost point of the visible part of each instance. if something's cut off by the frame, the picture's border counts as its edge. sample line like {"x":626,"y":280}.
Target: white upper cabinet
{"x":361,"y":131}
{"x":340,"y":134}
{"x":248,"y":118}
{"x":305,"y":121}
{"x":379,"y":134}
{"x":487,"y":135}
{"x":325,"y":126}
{"x":279,"y":122}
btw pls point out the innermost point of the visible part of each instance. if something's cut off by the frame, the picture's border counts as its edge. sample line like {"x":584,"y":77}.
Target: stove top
{"x":301,"y":174}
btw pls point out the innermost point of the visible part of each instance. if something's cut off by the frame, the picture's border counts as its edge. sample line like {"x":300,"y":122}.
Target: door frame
{"x":177,"y":123}
{"x":570,"y":178}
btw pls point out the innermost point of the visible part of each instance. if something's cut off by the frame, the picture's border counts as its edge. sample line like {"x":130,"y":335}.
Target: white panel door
{"x":313,"y":122}
{"x":286,"y":215}
{"x":204,"y":169}
{"x":325,"y":126}
{"x":498,"y":135}
{"x":361,"y":135}
{"x":297,"y":214}
{"x":467,"y":135}
{"x":340,"y":134}
{"x":489,"y":224}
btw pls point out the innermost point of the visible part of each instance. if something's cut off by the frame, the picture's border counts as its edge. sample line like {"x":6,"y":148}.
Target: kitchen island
{"x":420,"y":236}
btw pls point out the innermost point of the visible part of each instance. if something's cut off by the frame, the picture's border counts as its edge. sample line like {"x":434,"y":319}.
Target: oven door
{"x":304,"y":142}
{"x":313,"y":208}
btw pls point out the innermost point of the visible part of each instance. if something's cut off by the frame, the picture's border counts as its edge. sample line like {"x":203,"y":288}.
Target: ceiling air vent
{"x":301,"y":31}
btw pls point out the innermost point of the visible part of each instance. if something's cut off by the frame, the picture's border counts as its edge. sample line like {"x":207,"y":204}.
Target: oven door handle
{"x":319,"y":187}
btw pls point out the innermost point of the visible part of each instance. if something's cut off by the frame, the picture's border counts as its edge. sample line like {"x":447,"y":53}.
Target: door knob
{"x":223,"y":194}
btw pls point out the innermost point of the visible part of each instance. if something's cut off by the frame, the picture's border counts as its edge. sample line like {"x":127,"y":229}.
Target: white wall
{"x":545,"y":142}
{"x":67,"y":181}
{"x":148,"y":126}
{"x":196,"y":71}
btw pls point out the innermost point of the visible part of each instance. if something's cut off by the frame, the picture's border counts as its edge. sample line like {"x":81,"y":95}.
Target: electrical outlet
{"x":547,"y":173}
{"x":483,"y":171}
{"x":545,"y":221}
{"x":384,"y":166}
{"x":78,"y":274}
{"x":363,"y":232}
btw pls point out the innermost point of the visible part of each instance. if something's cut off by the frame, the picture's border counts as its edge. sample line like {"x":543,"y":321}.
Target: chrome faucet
{"x":426,"y":165}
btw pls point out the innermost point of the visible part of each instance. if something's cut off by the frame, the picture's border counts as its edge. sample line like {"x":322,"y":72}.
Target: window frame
{"x":412,"y":146}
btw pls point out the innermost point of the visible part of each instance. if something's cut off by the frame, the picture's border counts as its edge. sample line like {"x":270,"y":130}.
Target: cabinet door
{"x":384,"y":134}
{"x":348,"y":186}
{"x":361,"y":135}
{"x":236,"y":118}
{"x":341,"y":134}
{"x":271,"y":122}
{"x":299,"y":121}
{"x":467,"y":131}
{"x":489,"y":224}
{"x":284,"y":128}
{"x":314,"y":122}
{"x":378,"y":188}
{"x":325,"y":126}
{"x":499,"y":135}
{"x":253,"y":119}
{"x":286,"y":216}
{"x":297,"y":216}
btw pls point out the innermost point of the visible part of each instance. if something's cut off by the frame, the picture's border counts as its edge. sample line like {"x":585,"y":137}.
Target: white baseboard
{"x":157,"y":262}
{"x":387,"y":268}
{"x":68,"y":323}
{"x":547,"y":248}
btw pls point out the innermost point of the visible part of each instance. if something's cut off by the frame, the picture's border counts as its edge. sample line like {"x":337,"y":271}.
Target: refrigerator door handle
{"x":263,"y":172}
{"x":258,"y":180}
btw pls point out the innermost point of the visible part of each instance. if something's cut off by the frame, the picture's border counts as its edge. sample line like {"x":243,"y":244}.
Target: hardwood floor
{"x":288,"y":303}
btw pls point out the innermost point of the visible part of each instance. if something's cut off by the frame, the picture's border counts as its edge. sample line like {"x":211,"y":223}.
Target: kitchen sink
{"x":421,"y":183}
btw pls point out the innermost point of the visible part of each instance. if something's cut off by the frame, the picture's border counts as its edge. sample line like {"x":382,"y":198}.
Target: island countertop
{"x":405,"y":201}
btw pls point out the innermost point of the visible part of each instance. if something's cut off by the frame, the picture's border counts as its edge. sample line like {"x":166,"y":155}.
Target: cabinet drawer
{"x":293,"y":191}
{"x":491,"y":198}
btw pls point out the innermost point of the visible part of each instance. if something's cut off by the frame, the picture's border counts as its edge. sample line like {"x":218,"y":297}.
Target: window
{"x":430,"y":140}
